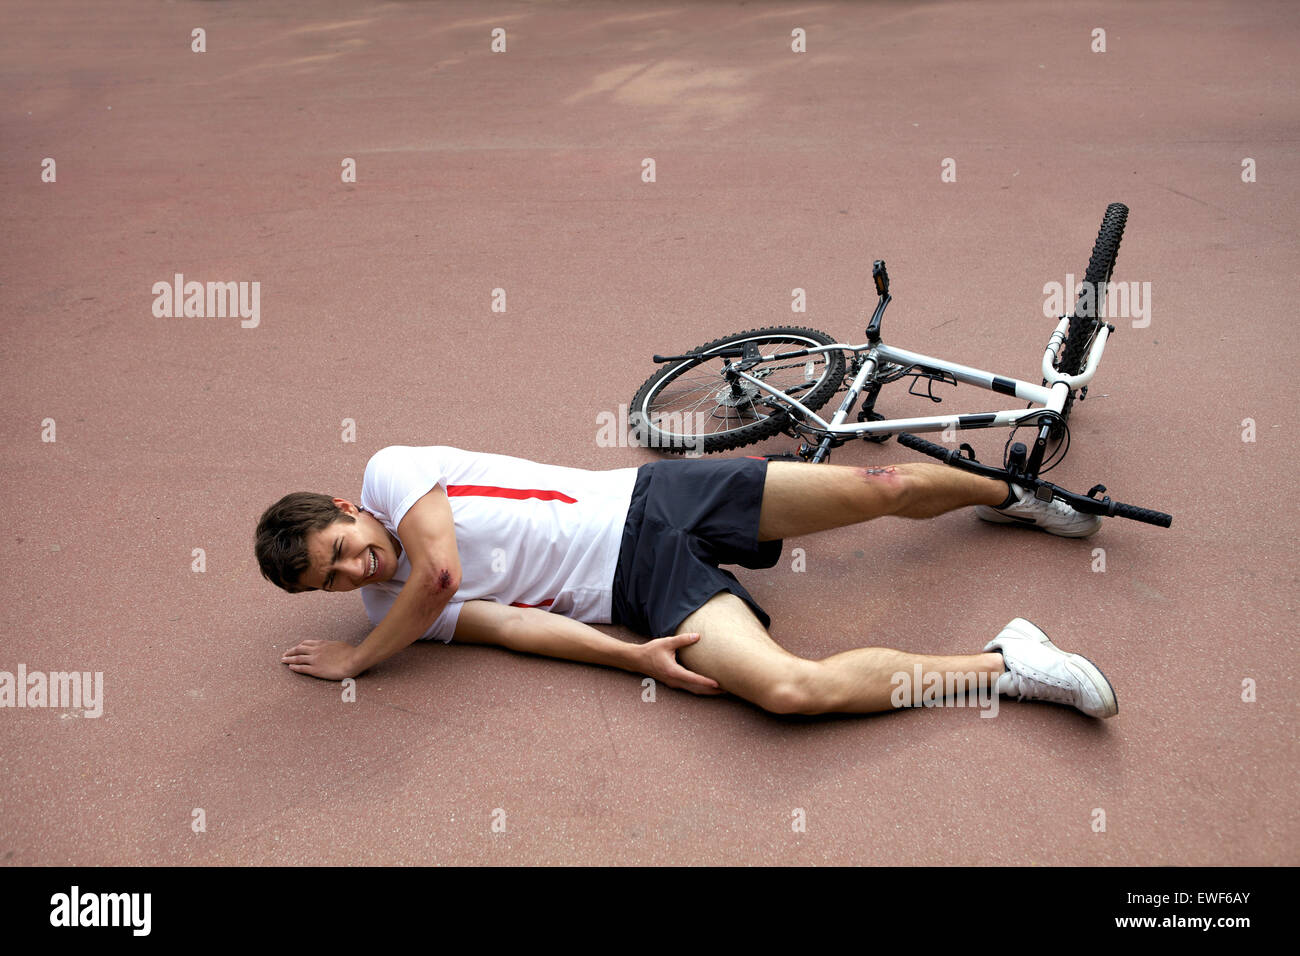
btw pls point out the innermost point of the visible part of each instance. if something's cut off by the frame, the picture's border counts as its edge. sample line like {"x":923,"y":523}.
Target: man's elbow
{"x":437,"y":584}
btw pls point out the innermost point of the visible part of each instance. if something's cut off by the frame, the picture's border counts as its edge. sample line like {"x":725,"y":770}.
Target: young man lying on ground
{"x":487,"y":549}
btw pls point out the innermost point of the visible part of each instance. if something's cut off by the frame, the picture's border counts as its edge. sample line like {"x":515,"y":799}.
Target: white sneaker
{"x":1039,"y":670}
{"x":1054,"y":516}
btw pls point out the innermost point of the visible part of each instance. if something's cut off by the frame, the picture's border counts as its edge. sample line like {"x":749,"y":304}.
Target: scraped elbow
{"x":444,"y":582}
{"x":436,"y":586}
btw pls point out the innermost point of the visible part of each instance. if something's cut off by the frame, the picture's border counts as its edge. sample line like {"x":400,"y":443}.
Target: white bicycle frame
{"x":1051,"y":397}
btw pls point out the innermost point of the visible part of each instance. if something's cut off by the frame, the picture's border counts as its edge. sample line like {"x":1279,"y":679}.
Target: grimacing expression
{"x":345,"y":556}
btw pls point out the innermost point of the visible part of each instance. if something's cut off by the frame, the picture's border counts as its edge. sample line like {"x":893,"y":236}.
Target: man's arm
{"x":534,"y":631}
{"x":428,"y":534}
{"x":429,"y":539}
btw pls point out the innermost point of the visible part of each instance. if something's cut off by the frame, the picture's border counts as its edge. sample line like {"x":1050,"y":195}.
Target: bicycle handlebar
{"x":1121,"y":510}
{"x":1084,"y":503}
{"x":945,"y":455}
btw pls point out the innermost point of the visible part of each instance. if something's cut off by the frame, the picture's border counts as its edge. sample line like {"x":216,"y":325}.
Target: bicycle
{"x":737,"y":403}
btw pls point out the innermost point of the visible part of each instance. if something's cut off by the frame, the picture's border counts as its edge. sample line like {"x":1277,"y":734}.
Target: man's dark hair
{"x":282,"y":536}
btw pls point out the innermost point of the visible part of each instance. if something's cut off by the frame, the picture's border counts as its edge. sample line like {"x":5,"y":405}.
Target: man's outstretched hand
{"x":659,"y":660}
{"x":331,"y":660}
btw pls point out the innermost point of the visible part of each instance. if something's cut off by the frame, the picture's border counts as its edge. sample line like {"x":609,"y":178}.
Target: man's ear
{"x":347,"y":507}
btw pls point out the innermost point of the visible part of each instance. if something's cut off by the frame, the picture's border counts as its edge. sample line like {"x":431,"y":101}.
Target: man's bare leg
{"x":801,"y":498}
{"x":735,"y":650}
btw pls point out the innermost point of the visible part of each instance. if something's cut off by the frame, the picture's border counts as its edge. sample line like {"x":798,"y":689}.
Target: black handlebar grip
{"x":1121,"y":510}
{"x":945,"y":455}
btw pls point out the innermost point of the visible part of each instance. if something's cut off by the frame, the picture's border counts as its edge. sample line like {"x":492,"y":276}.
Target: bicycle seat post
{"x":881,"y":277}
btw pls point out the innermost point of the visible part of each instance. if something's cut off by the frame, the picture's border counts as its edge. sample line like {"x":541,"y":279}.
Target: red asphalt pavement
{"x":521,"y":171}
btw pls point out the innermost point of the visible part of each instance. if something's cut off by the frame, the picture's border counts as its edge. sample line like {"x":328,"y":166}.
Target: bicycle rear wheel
{"x":690,"y":406}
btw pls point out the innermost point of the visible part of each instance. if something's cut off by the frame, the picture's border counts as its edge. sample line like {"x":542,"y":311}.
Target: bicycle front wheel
{"x":1091,"y":307}
{"x":690,"y":406}
{"x":1086,"y":319}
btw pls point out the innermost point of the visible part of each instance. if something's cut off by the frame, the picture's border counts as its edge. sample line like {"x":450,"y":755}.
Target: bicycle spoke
{"x":699,"y":401}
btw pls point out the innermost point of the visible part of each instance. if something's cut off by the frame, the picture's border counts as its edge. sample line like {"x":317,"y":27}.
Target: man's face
{"x":346,"y":556}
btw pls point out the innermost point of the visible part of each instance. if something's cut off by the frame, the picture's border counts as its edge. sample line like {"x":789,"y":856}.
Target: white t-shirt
{"x":528,"y":535}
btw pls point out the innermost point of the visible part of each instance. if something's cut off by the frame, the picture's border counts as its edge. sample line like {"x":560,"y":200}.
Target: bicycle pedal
{"x":1018,"y":458}
{"x":806,"y":451}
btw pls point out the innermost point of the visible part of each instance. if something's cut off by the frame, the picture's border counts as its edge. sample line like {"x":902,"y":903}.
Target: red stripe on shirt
{"x":547,"y":603}
{"x":492,"y":491}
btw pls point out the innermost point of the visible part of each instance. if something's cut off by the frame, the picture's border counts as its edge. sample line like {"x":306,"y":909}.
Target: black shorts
{"x":686,"y":518}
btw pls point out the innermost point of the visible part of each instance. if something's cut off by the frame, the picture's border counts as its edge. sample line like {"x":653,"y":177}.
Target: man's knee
{"x":801,"y":687}
{"x":903,"y":489}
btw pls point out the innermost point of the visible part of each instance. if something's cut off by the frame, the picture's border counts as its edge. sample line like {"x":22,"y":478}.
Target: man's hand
{"x":532,"y":630}
{"x":659,"y":660}
{"x":331,"y":660}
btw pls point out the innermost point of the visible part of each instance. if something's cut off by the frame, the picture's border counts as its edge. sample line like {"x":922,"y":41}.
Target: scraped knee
{"x":891,"y":485}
